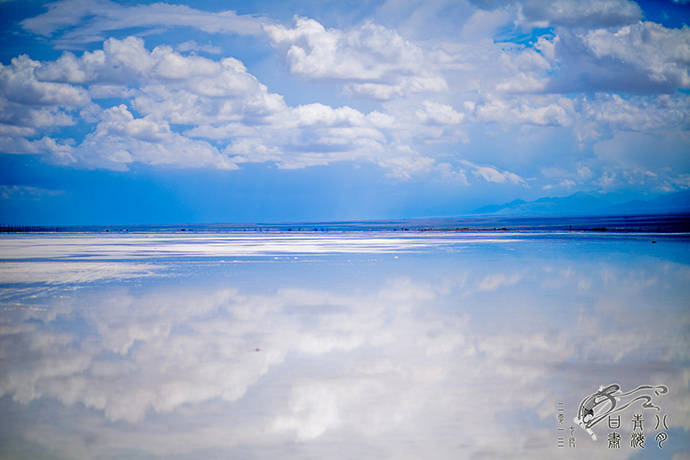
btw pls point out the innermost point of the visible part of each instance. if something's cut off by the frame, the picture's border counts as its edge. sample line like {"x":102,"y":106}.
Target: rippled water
{"x":355,"y":345}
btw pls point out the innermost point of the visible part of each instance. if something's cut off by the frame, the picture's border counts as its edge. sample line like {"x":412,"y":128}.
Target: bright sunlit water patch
{"x":356,"y":345}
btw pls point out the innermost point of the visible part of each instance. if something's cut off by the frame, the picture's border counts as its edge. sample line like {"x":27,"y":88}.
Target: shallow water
{"x":354,"y":345}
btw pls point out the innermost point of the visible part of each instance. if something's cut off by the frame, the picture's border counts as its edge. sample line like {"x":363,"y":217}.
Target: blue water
{"x":344,"y":343}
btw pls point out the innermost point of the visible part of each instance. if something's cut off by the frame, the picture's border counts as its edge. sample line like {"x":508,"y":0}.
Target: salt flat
{"x":287,"y":345}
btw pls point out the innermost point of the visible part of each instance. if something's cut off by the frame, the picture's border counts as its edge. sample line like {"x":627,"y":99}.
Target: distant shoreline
{"x":668,"y":223}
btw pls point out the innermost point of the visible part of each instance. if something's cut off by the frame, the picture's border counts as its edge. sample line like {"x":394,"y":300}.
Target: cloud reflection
{"x":415,"y":366}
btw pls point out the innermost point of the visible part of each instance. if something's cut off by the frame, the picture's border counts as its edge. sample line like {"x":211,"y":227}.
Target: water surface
{"x":347,"y":345}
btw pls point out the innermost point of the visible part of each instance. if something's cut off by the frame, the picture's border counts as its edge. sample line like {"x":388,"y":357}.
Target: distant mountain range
{"x":581,"y":204}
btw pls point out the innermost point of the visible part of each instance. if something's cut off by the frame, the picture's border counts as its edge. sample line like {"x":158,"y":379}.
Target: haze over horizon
{"x":143,"y":112}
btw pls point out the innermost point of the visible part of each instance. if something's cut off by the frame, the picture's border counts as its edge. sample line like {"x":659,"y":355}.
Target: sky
{"x":206,"y":111}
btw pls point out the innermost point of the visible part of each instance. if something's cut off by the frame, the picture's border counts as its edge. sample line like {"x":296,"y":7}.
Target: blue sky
{"x":137,"y":112}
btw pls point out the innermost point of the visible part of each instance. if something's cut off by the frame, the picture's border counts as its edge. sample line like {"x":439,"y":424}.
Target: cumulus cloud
{"x":544,"y":110}
{"x":48,"y":146}
{"x":492,"y":174}
{"x":402,"y":87}
{"x":44,"y":95}
{"x":637,"y":113}
{"x":315,"y":134}
{"x":642,"y":58}
{"x":661,"y":54}
{"x":369,"y":53}
{"x":372,"y":60}
{"x":19,"y":84}
{"x":218,"y":100}
{"x":598,"y":69}
{"x":590,"y":52}
{"x":433,"y":112}
{"x":119,"y":139}
{"x":28,"y":105}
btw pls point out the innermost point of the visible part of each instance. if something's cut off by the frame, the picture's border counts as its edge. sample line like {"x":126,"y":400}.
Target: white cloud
{"x":191,"y":110}
{"x":385,"y":91}
{"x":319,"y":114}
{"x":314,"y":410}
{"x":220,"y":100}
{"x":483,"y":24}
{"x":496,"y":281}
{"x":642,"y":58}
{"x":19,"y":85}
{"x":493,"y":174}
{"x":433,"y":112}
{"x":128,"y":62}
{"x":97,"y":18}
{"x":582,"y":13}
{"x":16,"y":131}
{"x":56,"y":149}
{"x":590,"y":51}
{"x":315,"y":134}
{"x":370,"y":52}
{"x":120,"y":139}
{"x":663,"y":54}
{"x":403,"y":166}
{"x":637,"y":113}
{"x":537,"y":110}
{"x":373,"y":61}
{"x":28,"y":105}
{"x":118,"y":121}
{"x":167,"y":88}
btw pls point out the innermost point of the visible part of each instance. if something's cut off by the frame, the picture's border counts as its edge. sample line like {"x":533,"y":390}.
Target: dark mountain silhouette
{"x":587,"y":204}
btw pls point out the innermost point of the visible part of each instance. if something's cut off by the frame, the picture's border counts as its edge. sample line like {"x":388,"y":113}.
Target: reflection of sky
{"x":450,"y":350}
